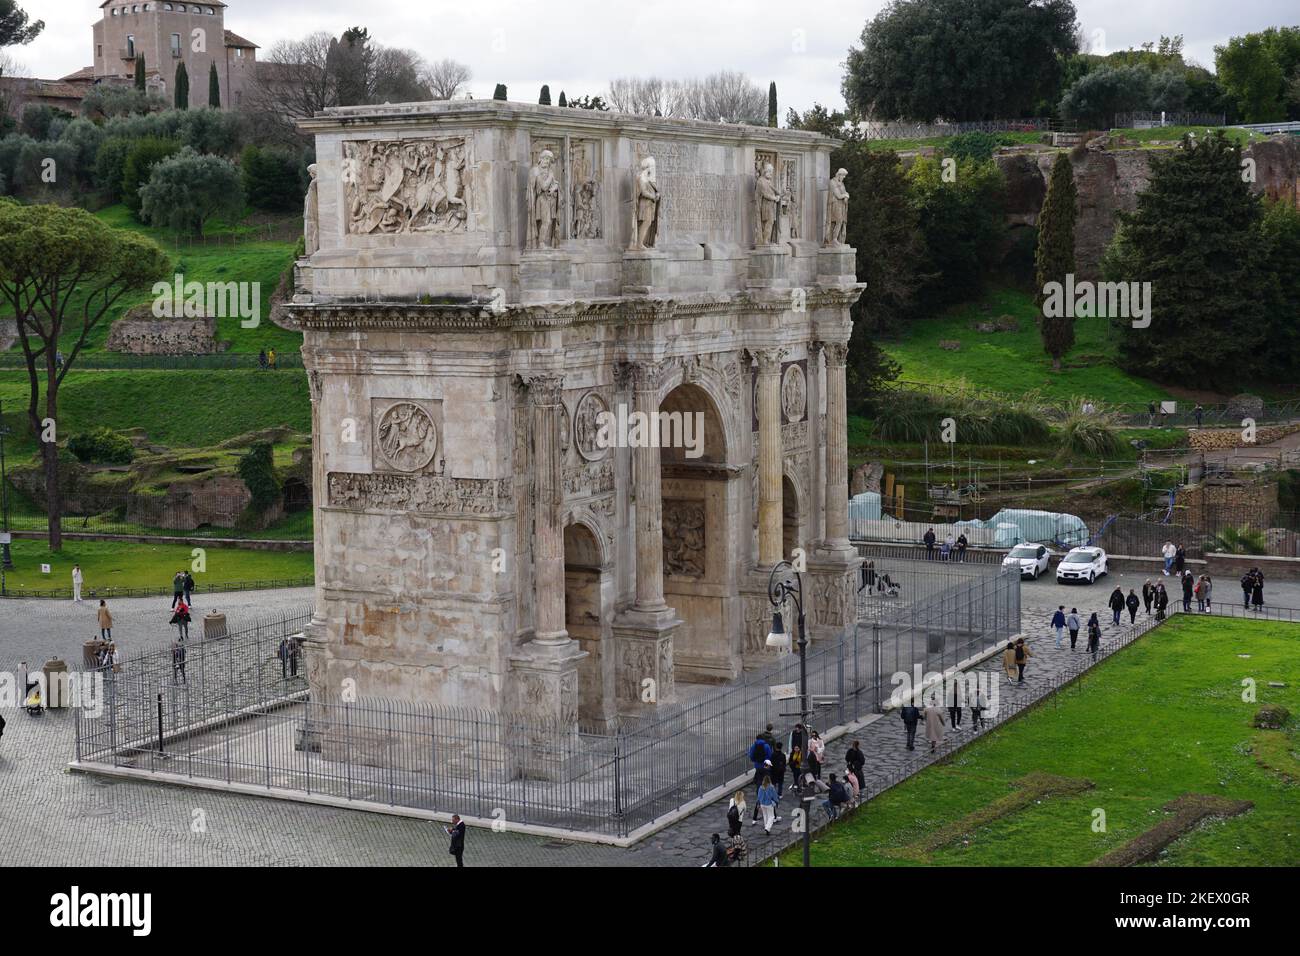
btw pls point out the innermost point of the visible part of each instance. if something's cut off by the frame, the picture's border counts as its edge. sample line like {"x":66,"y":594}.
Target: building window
{"x":115,"y":11}
{"x":130,"y":46}
{"x":176,"y":44}
{"x":211,"y":12}
{"x":180,"y":7}
{"x":239,"y":51}
{"x":167,"y":6}
{"x":99,"y":51}
{"x":135,"y":8}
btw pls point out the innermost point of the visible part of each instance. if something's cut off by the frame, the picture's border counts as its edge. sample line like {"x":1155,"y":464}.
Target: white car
{"x":1031,"y":559}
{"x":1081,"y":564}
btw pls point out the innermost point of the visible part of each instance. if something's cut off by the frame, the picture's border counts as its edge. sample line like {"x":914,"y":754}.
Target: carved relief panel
{"x":398,"y":187}
{"x":584,"y":189}
{"x":405,"y":435}
{"x":684,"y":537}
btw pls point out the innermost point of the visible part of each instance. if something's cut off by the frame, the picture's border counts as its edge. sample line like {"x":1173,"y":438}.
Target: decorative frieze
{"x":422,"y":494}
{"x":685,"y":540}
{"x":405,"y":186}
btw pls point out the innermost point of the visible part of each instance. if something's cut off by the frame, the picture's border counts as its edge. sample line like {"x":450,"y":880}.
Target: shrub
{"x":1272,"y":717}
{"x":257,"y":469}
{"x":110,"y":162}
{"x":1094,"y":435}
{"x":913,"y":416}
{"x":186,"y":190}
{"x":102,"y":446}
{"x":271,"y":177}
{"x":29,"y":176}
{"x":975,"y":145}
{"x":103,"y":102}
{"x":11,"y":147}
{"x":1243,"y":540}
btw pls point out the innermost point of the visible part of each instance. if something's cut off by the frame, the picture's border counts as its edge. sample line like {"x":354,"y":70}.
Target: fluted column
{"x":837,"y":447}
{"x":769,"y":457}
{"x":649,"y":501}
{"x":548,"y":536}
{"x":319,"y":496}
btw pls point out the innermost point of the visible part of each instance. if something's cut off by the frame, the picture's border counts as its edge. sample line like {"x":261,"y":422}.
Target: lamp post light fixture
{"x":780,"y":588}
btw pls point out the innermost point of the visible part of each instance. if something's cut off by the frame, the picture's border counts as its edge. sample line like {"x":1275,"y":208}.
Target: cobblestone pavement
{"x":51,"y":816}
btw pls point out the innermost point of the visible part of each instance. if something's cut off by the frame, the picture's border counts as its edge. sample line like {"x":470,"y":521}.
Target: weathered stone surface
{"x":139,"y":333}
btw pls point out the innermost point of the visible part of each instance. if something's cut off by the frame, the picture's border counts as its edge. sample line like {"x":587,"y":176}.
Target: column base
{"x":644,"y":673}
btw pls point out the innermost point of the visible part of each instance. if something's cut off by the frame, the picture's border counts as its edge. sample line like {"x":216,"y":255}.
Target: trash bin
{"x":214,"y":625}
{"x":56,"y":684}
{"x":90,"y":652}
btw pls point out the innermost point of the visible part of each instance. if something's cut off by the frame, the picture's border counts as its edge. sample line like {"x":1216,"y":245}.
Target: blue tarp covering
{"x":1013,"y":525}
{"x":865,"y":507}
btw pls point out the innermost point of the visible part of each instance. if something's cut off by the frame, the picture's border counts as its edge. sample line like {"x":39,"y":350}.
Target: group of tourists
{"x":1252,"y":589}
{"x":951,"y":549}
{"x":1062,"y":622}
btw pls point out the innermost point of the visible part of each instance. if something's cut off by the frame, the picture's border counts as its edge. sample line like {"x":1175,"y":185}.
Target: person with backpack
{"x":835,"y":798}
{"x":778,"y":768}
{"x":760,"y":755}
{"x":1116,"y":603}
{"x":1072,"y":622}
{"x":188,"y":584}
{"x":1023,"y":653}
{"x":1132,"y":603}
{"x":181,"y":618}
{"x":911,"y":715}
{"x":1094,"y":636}
{"x":735,"y":813}
{"x":1247,"y":585}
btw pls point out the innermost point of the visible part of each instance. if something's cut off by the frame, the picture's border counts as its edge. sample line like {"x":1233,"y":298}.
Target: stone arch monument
{"x":565,"y":368}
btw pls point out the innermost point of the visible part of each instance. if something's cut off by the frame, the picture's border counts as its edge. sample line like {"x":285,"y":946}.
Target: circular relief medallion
{"x":586,"y":426}
{"x":406,"y":436}
{"x":794,"y":394}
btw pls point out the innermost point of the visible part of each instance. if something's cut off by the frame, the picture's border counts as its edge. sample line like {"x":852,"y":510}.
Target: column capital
{"x":837,"y":353}
{"x":544,"y":388}
{"x":769,"y":360}
{"x":645,"y":376}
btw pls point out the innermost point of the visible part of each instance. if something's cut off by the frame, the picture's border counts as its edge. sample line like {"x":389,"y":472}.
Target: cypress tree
{"x":214,"y":88}
{"x":1054,"y":257}
{"x":182,"y":86}
{"x":545,"y":98}
{"x":139,"y":72}
{"x":771,"y":105}
{"x":500,"y":93}
{"x":563,"y":101}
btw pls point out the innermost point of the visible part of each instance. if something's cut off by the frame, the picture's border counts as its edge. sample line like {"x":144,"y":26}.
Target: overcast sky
{"x":579,"y":45}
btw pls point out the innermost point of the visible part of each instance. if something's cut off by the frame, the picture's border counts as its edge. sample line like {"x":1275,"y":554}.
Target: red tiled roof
{"x":234,"y":39}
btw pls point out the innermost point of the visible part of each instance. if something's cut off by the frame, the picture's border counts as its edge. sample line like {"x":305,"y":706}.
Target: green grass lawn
{"x":939,"y":142}
{"x":1014,"y":362}
{"x":189,"y":409}
{"x":125,"y":565}
{"x":1175,"y":134}
{"x":1161,"y":719}
{"x":260,"y":261}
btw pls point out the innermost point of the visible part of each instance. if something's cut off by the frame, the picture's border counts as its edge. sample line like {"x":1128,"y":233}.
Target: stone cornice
{"x":450,"y":115}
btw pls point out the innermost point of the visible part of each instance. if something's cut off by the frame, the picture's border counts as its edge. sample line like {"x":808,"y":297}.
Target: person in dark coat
{"x":1247,"y":585}
{"x":911,"y":715}
{"x":1094,"y":636}
{"x":760,"y":755}
{"x":929,"y":540}
{"x":718,"y":853}
{"x":1180,"y":559}
{"x":189,"y":588}
{"x":962,"y":545}
{"x":1188,"y":585}
{"x":1148,"y":594}
{"x":1162,"y":601}
{"x":1116,"y":602}
{"x":954,"y":705}
{"x":457,"y":833}
{"x":856,"y":760}
{"x":1132,"y":602}
{"x":181,"y":618}
{"x":735,"y":810}
{"x":178,"y":662}
{"x":1257,"y":590}
{"x":778,"y":768}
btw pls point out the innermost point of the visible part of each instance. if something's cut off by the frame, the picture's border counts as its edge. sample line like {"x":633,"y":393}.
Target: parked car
{"x":1031,"y":559}
{"x":1081,"y":564}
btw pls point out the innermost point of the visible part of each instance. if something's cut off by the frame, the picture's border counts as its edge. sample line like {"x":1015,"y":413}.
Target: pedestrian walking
{"x":1072,"y":623}
{"x":178,"y":662}
{"x":1094,"y":636}
{"x":1199,"y":412}
{"x":1058,"y":623}
{"x":767,"y":799}
{"x":717,"y":852}
{"x":798,"y":738}
{"x":911,"y":715}
{"x":816,"y":754}
{"x":181,"y":618}
{"x":457,"y":833}
{"x":105,"y":618}
{"x":1208,"y":588}
{"x":929,"y":540}
{"x":261,"y":359}
{"x":1257,"y":590}
{"x":1162,"y":601}
{"x":270,"y":359}
{"x":1199,"y":591}
{"x":76,"y":583}
{"x":1132,"y":603}
{"x":283,"y":654}
{"x":760,"y":755}
{"x":778,"y":768}
{"x":934,"y":724}
{"x":1009,"y":662}
{"x":954,"y":703}
{"x":794,"y":766}
{"x":1023,"y":653}
{"x":1169,"y":552}
{"x":736,"y":813}
{"x":1247,"y":585}
{"x":977,"y":707}
{"x":855,"y":759}
{"x":1148,"y":594}
{"x":962,"y":545}
{"x":1116,"y":603}
{"x":1188,"y":586}
{"x":188,"y":583}
{"x":178,"y":587}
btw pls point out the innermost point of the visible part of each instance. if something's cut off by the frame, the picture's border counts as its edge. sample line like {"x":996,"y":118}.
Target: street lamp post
{"x":791,"y":586}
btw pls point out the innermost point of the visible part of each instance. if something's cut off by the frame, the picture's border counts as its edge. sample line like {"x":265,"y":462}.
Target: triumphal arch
{"x":577,"y":384}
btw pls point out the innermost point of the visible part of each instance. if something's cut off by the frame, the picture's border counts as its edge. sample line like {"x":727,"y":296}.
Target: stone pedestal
{"x":643,"y":678}
{"x":545,"y":681}
{"x":830,"y":595}
{"x":545,"y":275}
{"x":645,"y":271}
{"x":767,"y":267}
{"x":837,"y":266}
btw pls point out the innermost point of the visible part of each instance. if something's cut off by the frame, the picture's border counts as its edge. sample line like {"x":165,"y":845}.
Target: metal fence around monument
{"x":235,"y":719}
